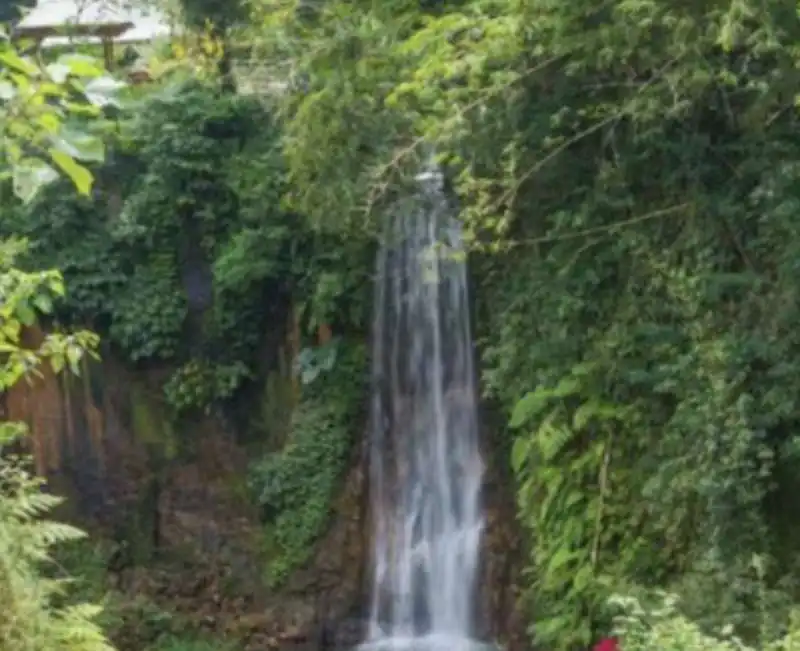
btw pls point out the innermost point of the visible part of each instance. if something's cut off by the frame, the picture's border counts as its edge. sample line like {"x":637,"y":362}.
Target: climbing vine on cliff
{"x":296,"y":484}
{"x":139,"y":258}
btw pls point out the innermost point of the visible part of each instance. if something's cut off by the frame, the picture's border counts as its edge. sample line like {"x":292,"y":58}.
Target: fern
{"x":568,"y":427}
{"x":34,"y":615}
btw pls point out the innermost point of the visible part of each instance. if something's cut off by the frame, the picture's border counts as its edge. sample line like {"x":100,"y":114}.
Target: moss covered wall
{"x":107,"y":440}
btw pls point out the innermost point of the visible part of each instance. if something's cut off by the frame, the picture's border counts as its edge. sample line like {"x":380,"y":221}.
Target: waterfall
{"x":425,"y":463}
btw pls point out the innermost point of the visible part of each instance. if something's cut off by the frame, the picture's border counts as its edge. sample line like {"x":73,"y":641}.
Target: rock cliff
{"x":186,"y":531}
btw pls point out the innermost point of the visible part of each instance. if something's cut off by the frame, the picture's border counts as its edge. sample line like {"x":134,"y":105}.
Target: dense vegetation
{"x":170,"y":240}
{"x":38,"y":613}
{"x":628,"y":175}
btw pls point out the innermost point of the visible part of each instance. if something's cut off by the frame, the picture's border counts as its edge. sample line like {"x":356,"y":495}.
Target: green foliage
{"x":22,"y":296}
{"x":163,"y":211}
{"x":132,"y":622}
{"x":34,"y":616}
{"x":570,"y":498}
{"x":633,"y":166}
{"x":182,"y":643}
{"x":85,"y":563}
{"x":44,"y":132}
{"x":31,"y":619}
{"x":663,"y":627}
{"x":138,"y":623}
{"x":148,"y":313}
{"x":296,"y":485}
{"x":196,"y":385}
{"x":185,"y":252}
{"x":218,"y":13}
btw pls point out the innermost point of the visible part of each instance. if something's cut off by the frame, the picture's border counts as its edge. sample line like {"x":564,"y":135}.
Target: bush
{"x":664,"y":628}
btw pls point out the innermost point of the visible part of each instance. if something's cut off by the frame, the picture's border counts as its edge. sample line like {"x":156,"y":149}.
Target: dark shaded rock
{"x":341,"y":635}
{"x":500,"y":616}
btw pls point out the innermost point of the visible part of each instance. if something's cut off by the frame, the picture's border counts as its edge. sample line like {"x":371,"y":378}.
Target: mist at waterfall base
{"x":425,"y":464}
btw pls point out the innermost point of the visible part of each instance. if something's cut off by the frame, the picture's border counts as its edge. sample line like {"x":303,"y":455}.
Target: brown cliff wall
{"x":503,"y":558}
{"x":175,"y":500}
{"x":105,"y":440}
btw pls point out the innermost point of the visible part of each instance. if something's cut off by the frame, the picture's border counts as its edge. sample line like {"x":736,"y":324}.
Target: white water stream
{"x":425,"y":462}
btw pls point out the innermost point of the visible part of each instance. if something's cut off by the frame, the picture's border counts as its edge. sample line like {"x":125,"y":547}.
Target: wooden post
{"x":108,"y":52}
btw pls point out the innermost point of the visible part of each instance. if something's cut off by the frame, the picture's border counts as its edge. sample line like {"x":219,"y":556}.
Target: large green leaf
{"x":528,"y":406}
{"x":82,"y":146}
{"x":519,"y":452}
{"x":30,"y":176}
{"x":81,"y":177}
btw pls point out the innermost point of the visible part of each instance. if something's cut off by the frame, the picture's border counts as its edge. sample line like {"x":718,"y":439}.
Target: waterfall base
{"x":431,"y":642}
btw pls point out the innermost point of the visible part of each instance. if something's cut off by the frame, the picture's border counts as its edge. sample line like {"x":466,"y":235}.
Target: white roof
{"x":148,"y":23}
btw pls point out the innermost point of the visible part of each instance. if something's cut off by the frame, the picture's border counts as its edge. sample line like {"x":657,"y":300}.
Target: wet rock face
{"x":340,"y":635}
{"x":106,"y":443}
{"x":190,"y":540}
{"x":217,"y":538}
{"x":501,"y":617}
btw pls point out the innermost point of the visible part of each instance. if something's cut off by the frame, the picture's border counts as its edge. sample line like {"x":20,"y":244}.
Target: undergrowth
{"x":296,"y":484}
{"x":662,"y":627}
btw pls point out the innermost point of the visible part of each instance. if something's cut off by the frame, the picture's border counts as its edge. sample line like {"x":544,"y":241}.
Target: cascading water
{"x":426,"y":467}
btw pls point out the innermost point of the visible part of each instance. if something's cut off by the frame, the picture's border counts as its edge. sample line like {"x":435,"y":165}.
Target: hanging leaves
{"x":40,"y":136}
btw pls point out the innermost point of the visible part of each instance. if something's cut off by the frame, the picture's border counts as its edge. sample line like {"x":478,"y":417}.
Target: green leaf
{"x":519,"y":452}
{"x":583,"y":415}
{"x":50,"y":122}
{"x":58,"y":72}
{"x":594,"y":409}
{"x":25,"y":314}
{"x":582,"y":579}
{"x":552,"y":438}
{"x":80,"y":146}
{"x":103,"y":91}
{"x":552,"y":626}
{"x":81,"y":177}
{"x":43,"y":303}
{"x":57,"y":363}
{"x":527,"y":407}
{"x":74,"y":355}
{"x":30,"y":177}
{"x":18,"y":63}
{"x":81,"y":65}
{"x":7,"y":91}
{"x":566,"y":387}
{"x":561,"y":558}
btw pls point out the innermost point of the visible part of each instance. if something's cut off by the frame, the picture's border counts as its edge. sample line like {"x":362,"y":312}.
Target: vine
{"x":147,"y":315}
{"x":296,"y":485}
{"x":197,"y":385}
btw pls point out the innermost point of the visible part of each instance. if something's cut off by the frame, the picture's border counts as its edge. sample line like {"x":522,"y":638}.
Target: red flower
{"x":607,"y":644}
